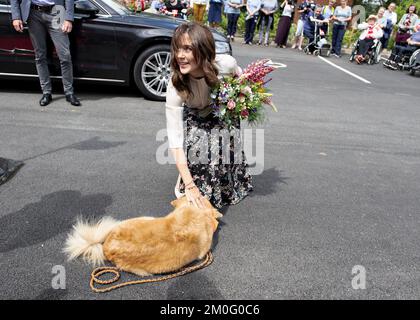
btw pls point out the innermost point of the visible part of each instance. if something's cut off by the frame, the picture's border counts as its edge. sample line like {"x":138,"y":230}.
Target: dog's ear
{"x":217,"y":214}
{"x":174,"y":203}
{"x":178,"y":202}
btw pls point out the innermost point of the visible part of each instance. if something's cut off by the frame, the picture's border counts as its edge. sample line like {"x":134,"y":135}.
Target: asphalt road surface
{"x":340,"y":187}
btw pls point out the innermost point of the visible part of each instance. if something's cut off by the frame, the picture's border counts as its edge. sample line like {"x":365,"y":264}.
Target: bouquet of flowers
{"x":244,"y":96}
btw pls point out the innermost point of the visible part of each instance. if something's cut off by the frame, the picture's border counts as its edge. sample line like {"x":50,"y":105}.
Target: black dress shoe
{"x":73,"y":100}
{"x":45,"y":100}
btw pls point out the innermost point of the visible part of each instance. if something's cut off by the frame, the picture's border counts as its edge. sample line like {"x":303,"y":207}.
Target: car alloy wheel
{"x":155,"y":73}
{"x":152,"y":71}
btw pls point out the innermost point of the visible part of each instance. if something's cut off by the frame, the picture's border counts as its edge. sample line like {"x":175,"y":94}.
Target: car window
{"x":118,"y":7}
{"x":101,"y":10}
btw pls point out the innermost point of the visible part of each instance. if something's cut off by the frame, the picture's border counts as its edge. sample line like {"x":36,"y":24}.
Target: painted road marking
{"x":345,"y":71}
{"x":277,"y":64}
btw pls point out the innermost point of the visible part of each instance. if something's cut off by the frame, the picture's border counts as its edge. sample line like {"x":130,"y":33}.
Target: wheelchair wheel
{"x":316,"y":52}
{"x":377,"y":53}
{"x":353,"y":52}
{"x":412,"y":61}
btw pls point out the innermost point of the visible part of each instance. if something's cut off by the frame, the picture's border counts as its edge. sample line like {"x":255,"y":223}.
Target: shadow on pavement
{"x":223,"y":211}
{"x":51,"y":294}
{"x":89,"y":144}
{"x":8,"y":168}
{"x":54,"y":214}
{"x":194,"y":286}
{"x":268,"y":182}
{"x":87,"y":91}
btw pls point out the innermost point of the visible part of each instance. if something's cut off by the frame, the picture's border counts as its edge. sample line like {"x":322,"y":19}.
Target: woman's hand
{"x":194,"y":196}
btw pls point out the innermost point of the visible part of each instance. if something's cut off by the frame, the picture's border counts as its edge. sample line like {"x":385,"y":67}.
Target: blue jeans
{"x":267,"y":28}
{"x":337,"y":38}
{"x":250,"y":25}
{"x":232,"y":23}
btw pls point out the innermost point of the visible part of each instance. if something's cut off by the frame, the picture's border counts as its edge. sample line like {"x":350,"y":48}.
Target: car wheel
{"x":152,"y":71}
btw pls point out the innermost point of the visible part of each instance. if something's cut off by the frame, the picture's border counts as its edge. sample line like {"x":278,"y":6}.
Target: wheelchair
{"x":408,"y":61}
{"x":374,"y":52}
{"x":414,"y":62}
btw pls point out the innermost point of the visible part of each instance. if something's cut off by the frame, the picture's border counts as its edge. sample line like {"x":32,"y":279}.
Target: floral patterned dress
{"x":220,"y":171}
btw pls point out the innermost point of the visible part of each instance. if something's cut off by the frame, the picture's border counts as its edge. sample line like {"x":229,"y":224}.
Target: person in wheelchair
{"x":400,"y":52}
{"x":371,"y":32}
{"x":311,"y":32}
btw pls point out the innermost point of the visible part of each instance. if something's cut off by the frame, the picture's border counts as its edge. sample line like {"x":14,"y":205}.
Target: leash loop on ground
{"x":94,"y":278}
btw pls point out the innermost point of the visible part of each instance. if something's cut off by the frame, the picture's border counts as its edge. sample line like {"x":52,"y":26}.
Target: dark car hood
{"x":152,"y":20}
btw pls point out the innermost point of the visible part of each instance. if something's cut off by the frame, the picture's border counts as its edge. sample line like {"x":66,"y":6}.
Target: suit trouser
{"x":40,"y":24}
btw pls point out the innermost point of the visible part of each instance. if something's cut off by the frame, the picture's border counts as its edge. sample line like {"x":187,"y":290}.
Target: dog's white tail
{"x":86,"y":240}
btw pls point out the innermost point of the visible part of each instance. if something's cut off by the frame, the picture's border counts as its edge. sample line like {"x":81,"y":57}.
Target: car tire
{"x":151,"y":72}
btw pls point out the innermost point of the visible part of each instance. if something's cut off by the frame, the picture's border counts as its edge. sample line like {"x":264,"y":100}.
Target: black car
{"x":109,"y":43}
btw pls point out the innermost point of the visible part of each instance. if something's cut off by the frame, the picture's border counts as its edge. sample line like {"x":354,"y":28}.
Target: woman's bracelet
{"x":187,"y":184}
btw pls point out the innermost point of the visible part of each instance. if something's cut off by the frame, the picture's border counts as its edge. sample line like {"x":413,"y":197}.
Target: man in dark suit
{"x":46,"y":17}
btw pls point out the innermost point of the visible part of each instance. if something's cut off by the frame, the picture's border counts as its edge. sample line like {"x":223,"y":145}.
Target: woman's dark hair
{"x":412,"y":5}
{"x":204,"y":51}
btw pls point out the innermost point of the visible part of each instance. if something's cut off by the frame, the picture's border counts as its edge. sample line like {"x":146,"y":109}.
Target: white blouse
{"x":226,"y":65}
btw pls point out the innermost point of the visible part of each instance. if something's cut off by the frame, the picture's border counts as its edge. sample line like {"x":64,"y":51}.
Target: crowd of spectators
{"x":334,"y":20}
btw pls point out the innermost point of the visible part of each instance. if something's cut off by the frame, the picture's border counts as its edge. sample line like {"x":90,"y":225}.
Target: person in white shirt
{"x":386,"y":25}
{"x":371,"y":31}
{"x":390,"y":13}
{"x":382,"y":20}
{"x":204,"y":171}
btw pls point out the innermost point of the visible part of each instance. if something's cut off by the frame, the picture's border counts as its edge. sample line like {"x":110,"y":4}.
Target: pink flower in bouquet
{"x":256,"y":71}
{"x":231,"y":104}
{"x":244,"y":113}
{"x":246,"y":90}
